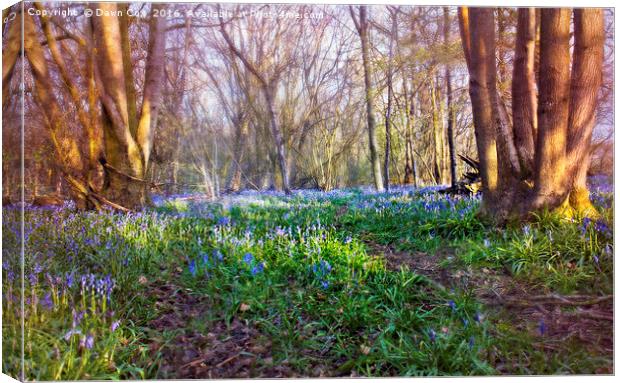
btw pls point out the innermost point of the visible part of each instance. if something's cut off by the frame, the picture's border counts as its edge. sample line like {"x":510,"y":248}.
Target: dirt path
{"x":236,"y":350}
{"x":553,"y":319}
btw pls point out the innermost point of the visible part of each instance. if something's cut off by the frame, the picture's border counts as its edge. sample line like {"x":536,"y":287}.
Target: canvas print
{"x":220,"y":190}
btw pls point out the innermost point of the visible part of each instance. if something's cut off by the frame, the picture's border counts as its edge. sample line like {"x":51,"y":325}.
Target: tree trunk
{"x":586,"y":80}
{"x":279,"y":140}
{"x":362,"y":29}
{"x":233,"y":183}
{"x":67,"y":152}
{"x":479,"y":49}
{"x":451,"y":111}
{"x":553,"y":110}
{"x":127,"y":155}
{"x":437,"y":130}
{"x":153,"y":74}
{"x":524,"y":90}
{"x":409,"y":117}
{"x":388,"y":112}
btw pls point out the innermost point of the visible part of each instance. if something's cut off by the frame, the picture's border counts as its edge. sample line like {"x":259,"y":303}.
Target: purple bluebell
{"x":477,"y":317}
{"x":583,"y":228}
{"x":192,"y":267}
{"x":248,"y":258}
{"x":46,"y":302}
{"x":89,"y":342}
{"x":70,"y":333}
{"x":258,"y":268}
{"x":452,"y":305}
{"x":542,"y":328}
{"x":77,"y":318}
{"x":602,"y":227}
{"x":432,"y":335}
{"x":218,"y":255}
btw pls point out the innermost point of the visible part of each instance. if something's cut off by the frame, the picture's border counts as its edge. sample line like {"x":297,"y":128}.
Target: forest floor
{"x":345,"y":283}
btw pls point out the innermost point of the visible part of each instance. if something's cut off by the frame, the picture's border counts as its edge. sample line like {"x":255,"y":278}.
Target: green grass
{"x":301,"y":272}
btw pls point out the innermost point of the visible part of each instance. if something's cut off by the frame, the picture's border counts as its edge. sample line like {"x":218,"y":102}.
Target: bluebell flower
{"x":477,"y":317}
{"x":70,"y":333}
{"x":471,"y":342}
{"x":325,"y":284}
{"x":115,"y":325}
{"x":205,"y":259}
{"x":258,"y":268}
{"x":601,"y":227}
{"x":218,"y":255}
{"x":37,"y":268}
{"x":248,"y":258}
{"x":192,"y":267}
{"x":432,"y":334}
{"x":223,"y":221}
{"x":89,"y":342}
{"x":452,"y":305}
{"x":47,"y":301}
{"x":583,"y":228}
{"x":542,"y":328}
{"x":465,"y":322}
{"x":326,"y":265}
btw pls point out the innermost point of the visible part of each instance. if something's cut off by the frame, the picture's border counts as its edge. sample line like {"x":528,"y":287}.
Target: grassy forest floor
{"x":345,"y":283}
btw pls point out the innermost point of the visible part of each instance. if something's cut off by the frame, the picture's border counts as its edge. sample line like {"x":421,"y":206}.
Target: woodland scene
{"x":203,"y":190}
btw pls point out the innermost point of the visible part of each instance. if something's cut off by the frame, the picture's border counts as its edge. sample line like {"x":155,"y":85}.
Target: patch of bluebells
{"x":599,"y":227}
{"x":255,"y":266}
{"x":320,"y":272}
{"x":204,"y":262}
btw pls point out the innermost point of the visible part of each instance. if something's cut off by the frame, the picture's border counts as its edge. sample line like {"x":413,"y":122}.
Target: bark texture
{"x":551,"y":130}
{"x":361,"y":24}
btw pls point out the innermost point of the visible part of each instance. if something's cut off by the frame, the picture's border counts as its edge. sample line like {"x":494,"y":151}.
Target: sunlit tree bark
{"x":565,"y":111}
{"x":478,"y":39}
{"x":111,"y":140}
{"x":553,"y":108}
{"x":586,"y":79}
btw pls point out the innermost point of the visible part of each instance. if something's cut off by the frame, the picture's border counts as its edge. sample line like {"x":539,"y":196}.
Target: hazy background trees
{"x":262,"y":99}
